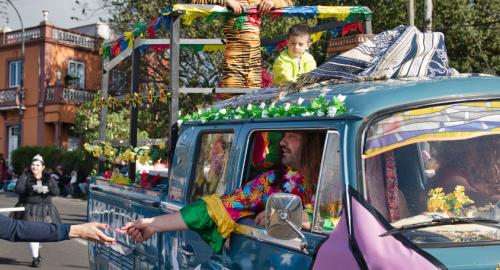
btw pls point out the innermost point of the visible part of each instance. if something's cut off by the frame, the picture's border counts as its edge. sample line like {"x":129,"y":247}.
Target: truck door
{"x":257,"y":250}
{"x":202,"y":171}
{"x":117,"y":205}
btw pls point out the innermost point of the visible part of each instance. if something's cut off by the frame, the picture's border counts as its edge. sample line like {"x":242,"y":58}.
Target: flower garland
{"x":145,"y":154}
{"x":317,"y":107}
{"x":451,"y":203}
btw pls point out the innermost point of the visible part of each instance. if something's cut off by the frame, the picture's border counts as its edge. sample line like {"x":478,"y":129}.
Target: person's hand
{"x":235,"y":6}
{"x":91,"y":231}
{"x":260,"y":219}
{"x":139,"y":230}
{"x":265,"y":6}
{"x":37,"y":188}
{"x":306,"y":224}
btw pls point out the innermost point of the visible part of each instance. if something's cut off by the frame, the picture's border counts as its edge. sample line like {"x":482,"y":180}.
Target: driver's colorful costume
{"x":213,"y":217}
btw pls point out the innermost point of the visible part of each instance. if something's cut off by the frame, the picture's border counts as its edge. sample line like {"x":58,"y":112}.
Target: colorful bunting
{"x":341,"y":13}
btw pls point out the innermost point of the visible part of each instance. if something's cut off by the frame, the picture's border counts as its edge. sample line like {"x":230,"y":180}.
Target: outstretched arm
{"x":29,"y":231}
{"x":143,"y":229}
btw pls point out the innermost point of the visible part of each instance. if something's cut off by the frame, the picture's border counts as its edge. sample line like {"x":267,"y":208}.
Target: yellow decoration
{"x":118,"y":178}
{"x":128,"y":155}
{"x":451,"y":203}
{"x":225,"y":224}
{"x":144,"y":158}
{"x":339,"y":13}
{"x":191,"y":13}
{"x":213,"y":47}
{"x":129,"y":37}
{"x":315,"y":37}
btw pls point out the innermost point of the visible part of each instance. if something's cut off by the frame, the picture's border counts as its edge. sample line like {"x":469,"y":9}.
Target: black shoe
{"x":36,"y":262}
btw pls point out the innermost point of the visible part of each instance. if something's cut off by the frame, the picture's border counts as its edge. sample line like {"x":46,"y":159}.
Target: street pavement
{"x":70,"y":254}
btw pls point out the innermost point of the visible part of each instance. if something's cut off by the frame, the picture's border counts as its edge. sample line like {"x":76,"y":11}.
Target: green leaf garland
{"x":317,"y":107}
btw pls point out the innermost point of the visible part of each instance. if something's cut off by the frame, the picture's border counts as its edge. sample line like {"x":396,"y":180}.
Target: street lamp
{"x":21,"y":81}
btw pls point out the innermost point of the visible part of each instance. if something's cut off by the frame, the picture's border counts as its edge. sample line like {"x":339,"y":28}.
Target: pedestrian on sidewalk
{"x":35,"y":189}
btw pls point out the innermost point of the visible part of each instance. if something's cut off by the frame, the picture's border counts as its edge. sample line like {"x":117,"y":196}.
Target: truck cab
{"x":394,"y":186}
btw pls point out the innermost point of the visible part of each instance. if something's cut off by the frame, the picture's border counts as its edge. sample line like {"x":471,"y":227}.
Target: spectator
{"x":294,"y":60}
{"x":73,"y":184}
{"x":62,"y":180}
{"x":11,"y":186}
{"x":84,"y":185}
{"x":4,"y":171}
{"x":35,"y":189}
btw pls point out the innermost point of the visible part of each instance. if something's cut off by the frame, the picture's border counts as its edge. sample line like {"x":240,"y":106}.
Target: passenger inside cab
{"x":297,"y":172}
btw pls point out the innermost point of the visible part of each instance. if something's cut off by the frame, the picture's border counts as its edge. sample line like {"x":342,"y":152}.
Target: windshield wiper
{"x":443,"y":221}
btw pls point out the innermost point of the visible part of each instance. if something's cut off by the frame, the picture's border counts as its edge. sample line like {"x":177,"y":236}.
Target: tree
{"x":118,"y":127}
{"x":470,"y":27}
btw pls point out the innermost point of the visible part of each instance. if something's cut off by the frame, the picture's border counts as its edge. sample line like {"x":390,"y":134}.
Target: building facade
{"x":62,"y":69}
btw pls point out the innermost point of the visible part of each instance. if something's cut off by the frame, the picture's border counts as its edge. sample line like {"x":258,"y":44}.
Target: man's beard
{"x":290,"y":159}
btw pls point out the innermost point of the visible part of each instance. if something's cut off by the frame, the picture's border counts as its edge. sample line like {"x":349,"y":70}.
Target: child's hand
{"x":236,"y":6}
{"x":265,"y":6}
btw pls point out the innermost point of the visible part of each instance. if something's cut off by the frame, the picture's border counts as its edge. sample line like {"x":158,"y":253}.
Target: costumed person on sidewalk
{"x":214,"y":218}
{"x":35,"y":189}
{"x":295,"y":60}
{"x":242,"y":54}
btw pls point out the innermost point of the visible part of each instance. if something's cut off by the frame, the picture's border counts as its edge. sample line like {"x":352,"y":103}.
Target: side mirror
{"x":284,"y":217}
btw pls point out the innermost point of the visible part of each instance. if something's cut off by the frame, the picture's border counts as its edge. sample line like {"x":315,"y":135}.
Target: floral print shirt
{"x":251,"y":198}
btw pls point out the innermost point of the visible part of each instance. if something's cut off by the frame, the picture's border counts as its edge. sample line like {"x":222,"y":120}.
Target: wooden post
{"x":411,"y":12}
{"x":104,"y":114}
{"x":134,"y":109}
{"x":174,"y":70}
{"x":428,"y":16}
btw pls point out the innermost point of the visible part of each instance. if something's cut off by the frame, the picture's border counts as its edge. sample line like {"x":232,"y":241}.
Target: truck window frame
{"x":196,"y":156}
{"x":250,"y":142}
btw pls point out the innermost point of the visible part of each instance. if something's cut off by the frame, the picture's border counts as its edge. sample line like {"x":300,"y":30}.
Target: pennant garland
{"x":121,"y":43}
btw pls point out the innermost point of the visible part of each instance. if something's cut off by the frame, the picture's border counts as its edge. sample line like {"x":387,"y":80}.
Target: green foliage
{"x":22,"y":156}
{"x":118,"y":124}
{"x":78,"y":160}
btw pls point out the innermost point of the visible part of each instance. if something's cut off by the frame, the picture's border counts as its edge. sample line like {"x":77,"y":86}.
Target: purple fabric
{"x":381,"y":252}
{"x":335,"y":252}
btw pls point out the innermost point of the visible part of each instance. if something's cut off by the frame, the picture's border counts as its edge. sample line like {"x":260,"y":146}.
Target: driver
{"x":213,"y":217}
{"x":474,"y":164}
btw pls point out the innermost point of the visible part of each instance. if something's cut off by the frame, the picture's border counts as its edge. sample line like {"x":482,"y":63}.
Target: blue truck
{"x":385,"y":187}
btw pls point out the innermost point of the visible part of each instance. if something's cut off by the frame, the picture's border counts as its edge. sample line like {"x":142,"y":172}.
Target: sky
{"x":60,"y":13}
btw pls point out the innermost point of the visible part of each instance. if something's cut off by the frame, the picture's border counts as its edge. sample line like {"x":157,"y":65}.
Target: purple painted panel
{"x":335,"y":252}
{"x":382,"y":252}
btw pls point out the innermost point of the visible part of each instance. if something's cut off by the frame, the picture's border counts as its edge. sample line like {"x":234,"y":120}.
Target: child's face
{"x":297,"y":45}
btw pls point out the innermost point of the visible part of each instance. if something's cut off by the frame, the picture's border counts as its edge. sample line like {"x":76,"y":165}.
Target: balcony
{"x":16,"y":37}
{"x":52,"y":34}
{"x":61,"y":95}
{"x":8,"y":99}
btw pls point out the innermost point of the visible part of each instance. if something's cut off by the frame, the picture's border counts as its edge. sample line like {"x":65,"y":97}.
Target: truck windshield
{"x":438,"y":188}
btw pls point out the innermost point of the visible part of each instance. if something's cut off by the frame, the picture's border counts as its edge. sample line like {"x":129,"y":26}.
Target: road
{"x":70,"y":254}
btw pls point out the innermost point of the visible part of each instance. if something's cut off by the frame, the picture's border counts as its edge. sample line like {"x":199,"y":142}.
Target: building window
{"x":76,"y":74}
{"x":15,"y":73}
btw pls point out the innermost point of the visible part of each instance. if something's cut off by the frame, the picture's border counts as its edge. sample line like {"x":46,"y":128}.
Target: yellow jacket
{"x":287,"y":68}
